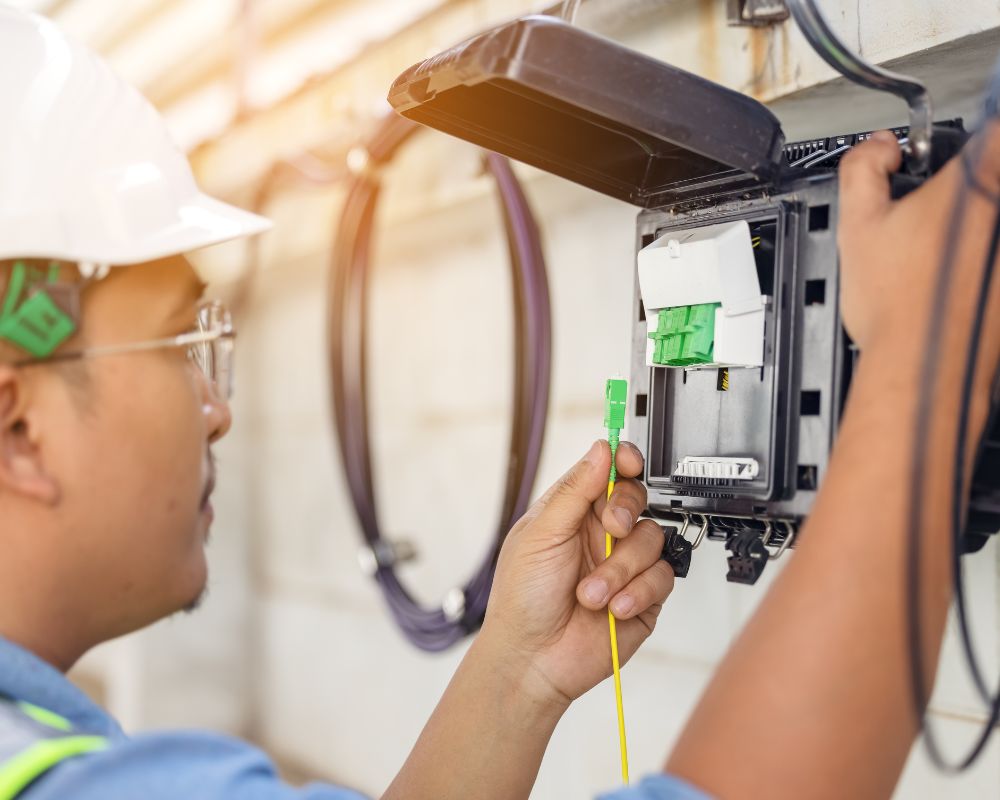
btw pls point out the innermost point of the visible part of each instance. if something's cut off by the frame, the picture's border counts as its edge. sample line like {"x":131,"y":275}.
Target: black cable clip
{"x":748,"y":559}
{"x":677,"y":549}
{"x":677,"y":553}
{"x":751,"y":550}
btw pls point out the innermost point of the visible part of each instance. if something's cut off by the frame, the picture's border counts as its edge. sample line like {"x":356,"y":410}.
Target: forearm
{"x":486,"y":737}
{"x":815,"y":694}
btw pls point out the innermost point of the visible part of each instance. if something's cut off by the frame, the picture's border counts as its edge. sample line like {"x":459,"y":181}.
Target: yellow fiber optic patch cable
{"x":615,"y":394}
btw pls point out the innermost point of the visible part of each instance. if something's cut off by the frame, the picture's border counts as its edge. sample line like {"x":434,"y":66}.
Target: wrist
{"x":895,"y":363}
{"x":887,"y":386}
{"x":518,"y":677}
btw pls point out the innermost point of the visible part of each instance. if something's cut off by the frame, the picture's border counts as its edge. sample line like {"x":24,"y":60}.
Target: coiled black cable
{"x":433,"y":629}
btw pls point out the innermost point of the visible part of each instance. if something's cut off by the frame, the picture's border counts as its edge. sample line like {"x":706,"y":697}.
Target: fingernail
{"x":624,"y":518}
{"x":622,"y":605}
{"x":596,"y":453}
{"x":596,"y":591}
{"x":884,"y":136}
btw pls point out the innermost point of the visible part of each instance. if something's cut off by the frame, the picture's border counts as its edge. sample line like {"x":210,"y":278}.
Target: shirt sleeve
{"x":658,"y":787}
{"x":168,"y":766}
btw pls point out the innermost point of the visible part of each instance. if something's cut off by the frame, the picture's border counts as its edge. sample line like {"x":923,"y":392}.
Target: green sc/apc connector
{"x":615,"y":396}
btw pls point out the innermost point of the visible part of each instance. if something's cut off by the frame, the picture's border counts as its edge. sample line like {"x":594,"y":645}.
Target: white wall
{"x":440,"y":432}
{"x":295,"y":647}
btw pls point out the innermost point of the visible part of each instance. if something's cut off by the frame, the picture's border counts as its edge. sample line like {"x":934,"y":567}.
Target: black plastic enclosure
{"x":690,"y":153}
{"x":785,"y":414}
{"x":588,"y":109}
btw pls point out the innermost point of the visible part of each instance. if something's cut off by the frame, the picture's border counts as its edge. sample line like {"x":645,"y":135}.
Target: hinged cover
{"x":588,"y":109}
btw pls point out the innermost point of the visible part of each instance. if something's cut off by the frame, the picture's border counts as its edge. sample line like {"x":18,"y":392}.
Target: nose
{"x":218,"y":417}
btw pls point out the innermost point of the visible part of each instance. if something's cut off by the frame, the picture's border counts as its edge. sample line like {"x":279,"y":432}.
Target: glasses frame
{"x":219,"y":372}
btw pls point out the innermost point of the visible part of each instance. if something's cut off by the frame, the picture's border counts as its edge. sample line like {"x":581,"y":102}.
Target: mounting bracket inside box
{"x":740,"y":364}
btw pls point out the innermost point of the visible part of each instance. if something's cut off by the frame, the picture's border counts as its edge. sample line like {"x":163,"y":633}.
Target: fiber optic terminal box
{"x":740,"y":363}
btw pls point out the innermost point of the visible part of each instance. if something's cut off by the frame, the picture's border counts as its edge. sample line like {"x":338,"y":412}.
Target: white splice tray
{"x":711,"y":264}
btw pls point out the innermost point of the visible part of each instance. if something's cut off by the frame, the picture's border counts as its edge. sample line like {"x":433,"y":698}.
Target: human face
{"x":127,"y":447}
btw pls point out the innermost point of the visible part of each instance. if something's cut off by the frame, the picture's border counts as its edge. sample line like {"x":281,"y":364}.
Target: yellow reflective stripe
{"x":46,"y":717}
{"x":20,"y":771}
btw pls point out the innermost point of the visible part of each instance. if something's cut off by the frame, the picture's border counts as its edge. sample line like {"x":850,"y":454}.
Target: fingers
{"x":622,"y":578}
{"x":564,"y":506}
{"x":628,"y":500}
{"x":864,"y":179}
{"x":626,"y":503}
{"x":628,"y":460}
{"x":648,"y":588}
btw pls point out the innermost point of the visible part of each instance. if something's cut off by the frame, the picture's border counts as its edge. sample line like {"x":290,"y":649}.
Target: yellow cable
{"x":608,"y":544}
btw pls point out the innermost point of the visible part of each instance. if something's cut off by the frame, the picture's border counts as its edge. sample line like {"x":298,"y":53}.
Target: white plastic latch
{"x":717,"y":468}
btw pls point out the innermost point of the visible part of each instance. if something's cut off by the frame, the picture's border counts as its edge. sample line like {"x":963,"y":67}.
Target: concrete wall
{"x":294,"y":647}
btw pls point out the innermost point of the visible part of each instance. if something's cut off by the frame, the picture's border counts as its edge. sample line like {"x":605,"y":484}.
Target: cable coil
{"x":433,"y":629}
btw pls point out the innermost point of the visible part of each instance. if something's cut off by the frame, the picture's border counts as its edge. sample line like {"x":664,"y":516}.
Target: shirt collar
{"x":26,"y":677}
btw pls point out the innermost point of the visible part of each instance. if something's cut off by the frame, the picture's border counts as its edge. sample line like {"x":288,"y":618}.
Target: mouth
{"x":206,"y":496}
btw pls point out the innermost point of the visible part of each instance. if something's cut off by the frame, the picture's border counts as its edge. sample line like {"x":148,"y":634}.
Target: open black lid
{"x":588,"y":109}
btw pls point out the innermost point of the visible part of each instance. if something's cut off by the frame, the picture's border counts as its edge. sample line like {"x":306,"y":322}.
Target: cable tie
{"x":385,"y":555}
{"x":453,"y":604}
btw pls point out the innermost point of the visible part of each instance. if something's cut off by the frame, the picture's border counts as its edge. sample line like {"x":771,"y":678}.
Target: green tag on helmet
{"x":38,"y":326}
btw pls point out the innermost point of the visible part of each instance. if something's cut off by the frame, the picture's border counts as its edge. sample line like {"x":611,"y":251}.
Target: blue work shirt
{"x":182,"y":764}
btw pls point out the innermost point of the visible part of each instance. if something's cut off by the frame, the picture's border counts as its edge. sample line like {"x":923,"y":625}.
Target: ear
{"x":21,"y":469}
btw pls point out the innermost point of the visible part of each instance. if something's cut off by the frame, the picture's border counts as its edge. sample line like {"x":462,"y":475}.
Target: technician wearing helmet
{"x":113,"y":386}
{"x":114,"y":377}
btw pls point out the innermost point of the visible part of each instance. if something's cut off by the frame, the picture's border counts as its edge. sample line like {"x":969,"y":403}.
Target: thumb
{"x":864,"y":179}
{"x":563,"y":507}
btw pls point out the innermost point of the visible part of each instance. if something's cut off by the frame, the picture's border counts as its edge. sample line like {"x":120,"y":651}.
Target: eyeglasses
{"x":210,"y":347}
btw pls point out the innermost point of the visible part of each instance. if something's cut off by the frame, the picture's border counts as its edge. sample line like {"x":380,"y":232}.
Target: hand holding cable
{"x":841,"y":618}
{"x":540,"y":647}
{"x":553,"y":583}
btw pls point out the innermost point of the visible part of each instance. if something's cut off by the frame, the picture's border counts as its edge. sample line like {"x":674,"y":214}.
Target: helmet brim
{"x":200,"y":222}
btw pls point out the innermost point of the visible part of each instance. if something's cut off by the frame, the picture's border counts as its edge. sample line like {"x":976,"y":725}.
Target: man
{"x":113,"y":385}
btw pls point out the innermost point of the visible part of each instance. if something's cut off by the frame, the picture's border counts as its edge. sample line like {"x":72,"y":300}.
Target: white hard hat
{"x":88,"y":172}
